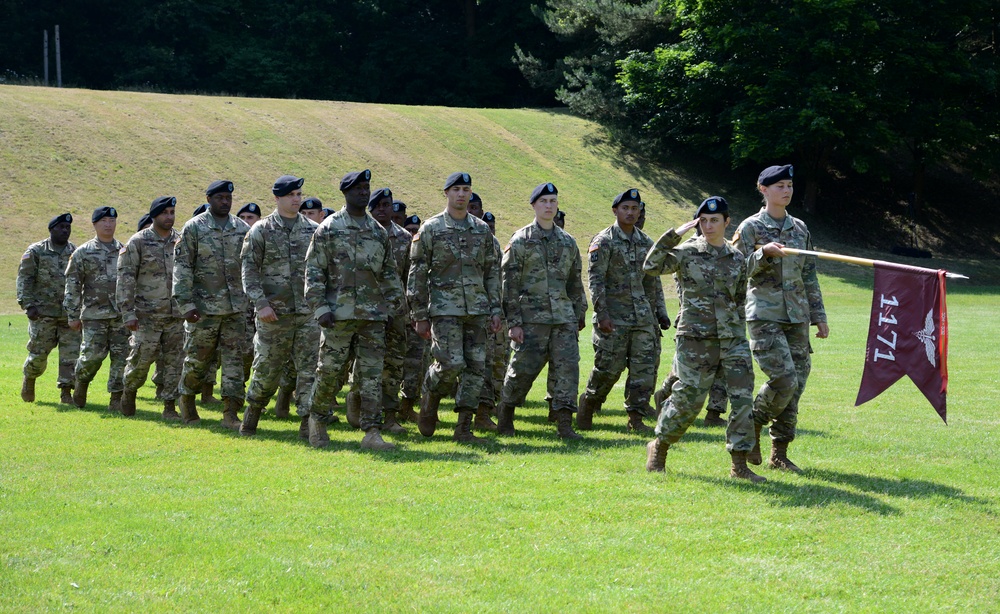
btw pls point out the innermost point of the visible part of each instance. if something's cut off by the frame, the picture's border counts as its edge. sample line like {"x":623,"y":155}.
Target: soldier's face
{"x":398,"y":217}
{"x":458,"y":197}
{"x":357,"y":196}
{"x":476,"y":209}
{"x":627,"y":213}
{"x":249,"y":218}
{"x":412,"y":228}
{"x":165,"y":221}
{"x":60,"y":233}
{"x":545,"y":207}
{"x":779,"y":193}
{"x":383,"y":211}
{"x":713,"y":226}
{"x":104,"y":228}
{"x":288,"y":205}
{"x":315,"y":215}
{"x":220,"y":203}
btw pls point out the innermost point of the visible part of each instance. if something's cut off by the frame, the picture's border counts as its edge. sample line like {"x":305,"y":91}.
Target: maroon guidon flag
{"x":907,"y":333}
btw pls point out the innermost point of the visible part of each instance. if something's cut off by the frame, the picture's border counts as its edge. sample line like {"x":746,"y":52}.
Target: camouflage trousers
{"x":248,"y":357}
{"x":555,"y":344}
{"x":160,"y":339}
{"x":634,"y":348}
{"x":782,"y":353}
{"x":458,"y":346}
{"x":44,"y":335}
{"x":497,"y":358}
{"x":364,"y":341}
{"x":294,"y":339}
{"x":395,"y":355}
{"x":202,"y":339}
{"x":696,"y":363}
{"x":100,"y":338}
{"x":414,"y":363}
{"x":717,"y":396}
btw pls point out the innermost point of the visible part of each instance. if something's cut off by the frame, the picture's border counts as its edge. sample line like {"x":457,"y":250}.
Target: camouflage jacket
{"x":350,"y":270}
{"x":274,"y":264}
{"x":91,"y":277}
{"x":618,"y":288}
{"x":541,"y":278}
{"x":207,"y":274}
{"x":400,"y":239}
{"x":146,"y":275}
{"x":453,"y":269}
{"x":780,"y":289}
{"x":41,"y":278}
{"x":712,"y":285}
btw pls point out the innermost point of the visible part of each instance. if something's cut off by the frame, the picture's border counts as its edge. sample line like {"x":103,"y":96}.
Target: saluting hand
{"x":687,"y":227}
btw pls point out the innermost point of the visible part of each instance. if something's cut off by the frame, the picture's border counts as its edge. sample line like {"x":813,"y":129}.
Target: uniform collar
{"x":620,"y":234}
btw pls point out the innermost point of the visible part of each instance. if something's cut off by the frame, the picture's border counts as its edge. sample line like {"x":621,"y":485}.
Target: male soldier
{"x":327,"y":212}
{"x":453,"y":290}
{"x":274,"y":271}
{"x":208,"y":288}
{"x":711,"y":331}
{"x":398,"y":213}
{"x":144,"y":222}
{"x":91,"y":277}
{"x":545,"y":307}
{"x":560,"y":219}
{"x":145,"y":284}
{"x":640,"y":223}
{"x":208,"y":386}
{"x":312,"y":208}
{"x":476,"y":205}
{"x":412,"y":224}
{"x":491,"y":388}
{"x":625,"y":317}
{"x":497,"y":351}
{"x":352,"y":287}
{"x":41,"y":286}
{"x":416,"y":359}
{"x":250,"y":213}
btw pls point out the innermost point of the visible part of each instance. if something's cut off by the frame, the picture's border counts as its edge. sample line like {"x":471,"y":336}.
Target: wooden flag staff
{"x":851,"y":259}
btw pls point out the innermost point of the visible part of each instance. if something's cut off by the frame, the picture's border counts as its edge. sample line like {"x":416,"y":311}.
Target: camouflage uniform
{"x":711,"y":333}
{"x":145,"y":284}
{"x":414,"y":363}
{"x":631,"y":300}
{"x":783,"y":299}
{"x":207,"y":277}
{"x":543,"y":294}
{"x":398,"y":325}
{"x":41,"y":283}
{"x":497,"y":353}
{"x":351,"y":273}
{"x":91,"y":277}
{"x":454,"y":283}
{"x":274,"y":269}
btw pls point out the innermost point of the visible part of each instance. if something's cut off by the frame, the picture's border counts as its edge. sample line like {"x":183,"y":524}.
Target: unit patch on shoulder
{"x":26,"y":255}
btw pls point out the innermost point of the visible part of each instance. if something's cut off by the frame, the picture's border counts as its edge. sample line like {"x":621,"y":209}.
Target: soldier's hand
{"x":423,"y":328}
{"x":687,"y":227}
{"x":326,"y":320}
{"x":75,"y":325}
{"x":516,"y":334}
{"x":822,"y":330}
{"x":192,"y":316}
{"x":606,"y":326}
{"x":495,"y":324}
{"x":267,"y":314}
{"x":132,"y":325}
{"x":774,"y":250}
{"x":664,"y":322}
{"x":32,"y":312}
{"x":581,"y":324}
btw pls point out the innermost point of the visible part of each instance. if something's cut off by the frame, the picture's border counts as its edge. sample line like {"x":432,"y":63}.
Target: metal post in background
{"x":45,"y":54}
{"x":58,"y":61}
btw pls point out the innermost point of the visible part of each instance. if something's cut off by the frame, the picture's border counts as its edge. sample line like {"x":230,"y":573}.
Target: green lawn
{"x":896,"y":511}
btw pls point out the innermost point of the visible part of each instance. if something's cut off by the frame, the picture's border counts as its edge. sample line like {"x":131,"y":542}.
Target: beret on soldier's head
{"x":201,"y":209}
{"x":253,"y":208}
{"x":541,"y":190}
{"x":222,"y":185}
{"x":160,"y":204}
{"x":774,"y":174}
{"x":712,"y":204}
{"x":457,"y":179}
{"x":475,"y":198}
{"x":560,"y":215}
{"x":413,"y":219}
{"x":642,"y":205}
{"x":59,"y":219}
{"x":398,"y":206}
{"x":144,"y":221}
{"x":377,"y":196}
{"x":352,"y":179}
{"x":286,"y":184}
{"x":626,"y":196}
{"x":102,"y":212}
{"x":327,"y":212}
{"x":488,"y":217}
{"x":311,"y":204}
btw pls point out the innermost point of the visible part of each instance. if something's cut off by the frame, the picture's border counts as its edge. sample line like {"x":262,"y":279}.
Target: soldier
{"x":491,"y":388}
{"x":312,"y":208}
{"x":208,"y":289}
{"x":274,"y":271}
{"x":453,"y":290}
{"x":207,"y":386}
{"x":250,"y":213}
{"x":144,"y":292}
{"x":327,"y":212}
{"x":352,"y":287}
{"x":399,"y":213}
{"x":412,"y":224}
{"x":476,"y":205}
{"x":783,"y":299}
{"x":91,"y":306}
{"x":717,"y":397}
{"x":561,"y":219}
{"x":546,"y":309}
{"x":640,"y":222}
{"x":417,"y":353}
{"x":711,"y":332}
{"x":144,"y":222}
{"x":628,"y":305}
{"x":41,"y":286}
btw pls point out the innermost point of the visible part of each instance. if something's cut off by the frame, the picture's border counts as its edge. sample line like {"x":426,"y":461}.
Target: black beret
{"x":712,"y":204}
{"x":285,"y":184}
{"x":59,"y":219}
{"x":627,"y":195}
{"x":413,"y":219}
{"x":642,"y":205}
{"x":540,"y":189}
{"x":145,"y":220}
{"x":457,"y":179}
{"x":327,"y":212}
{"x":103,"y":212}
{"x":253,"y":208}
{"x":352,"y":179}
{"x":222,"y":185}
{"x":311,"y":204}
{"x":560,"y":215}
{"x":200,"y":209}
{"x":377,"y":196}
{"x":489,"y":217}
{"x":160,"y":204}
{"x":774,"y":174}
{"x":398,"y":206}
{"x":475,"y":198}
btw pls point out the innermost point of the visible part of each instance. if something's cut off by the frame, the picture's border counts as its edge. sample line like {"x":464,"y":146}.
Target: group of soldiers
{"x":403,"y":311}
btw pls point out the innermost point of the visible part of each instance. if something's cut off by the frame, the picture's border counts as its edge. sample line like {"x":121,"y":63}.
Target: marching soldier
{"x":312,"y":209}
{"x":417,"y":351}
{"x":251,"y":214}
{"x":399,"y":213}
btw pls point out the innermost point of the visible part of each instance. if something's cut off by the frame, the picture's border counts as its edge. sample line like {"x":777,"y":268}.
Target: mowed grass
{"x":895,"y":512}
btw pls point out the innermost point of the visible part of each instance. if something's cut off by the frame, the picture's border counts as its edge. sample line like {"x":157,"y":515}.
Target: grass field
{"x":896,"y":512}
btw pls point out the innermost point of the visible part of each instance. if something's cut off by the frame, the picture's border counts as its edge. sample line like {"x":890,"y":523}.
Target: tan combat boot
{"x":373,"y":441}
{"x":714,"y":418}
{"x":230,"y":413}
{"x":406,"y":413}
{"x":170,"y":411}
{"x":483,"y":421}
{"x":282,"y":403}
{"x":463,"y":430}
{"x":564,"y":426}
{"x":391,"y":425}
{"x":585,"y":413}
{"x":115,"y":404}
{"x":740,"y":470}
{"x":66,"y":395}
{"x":656,"y":455}
{"x":188,"y":411}
{"x":80,"y":394}
{"x":250,"y":419}
{"x":635,"y":424}
{"x":754,"y":457}
{"x":206,"y":394}
{"x":779,"y":457}
{"x":28,"y":389}
{"x":128,"y":403}
{"x":428,"y":418}
{"x":353,"y":403}
{"x":318,"y":437}
{"x":505,"y":419}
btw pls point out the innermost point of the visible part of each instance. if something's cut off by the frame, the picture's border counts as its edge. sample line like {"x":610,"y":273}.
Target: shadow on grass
{"x":901,"y":487}
{"x":788,"y":494}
